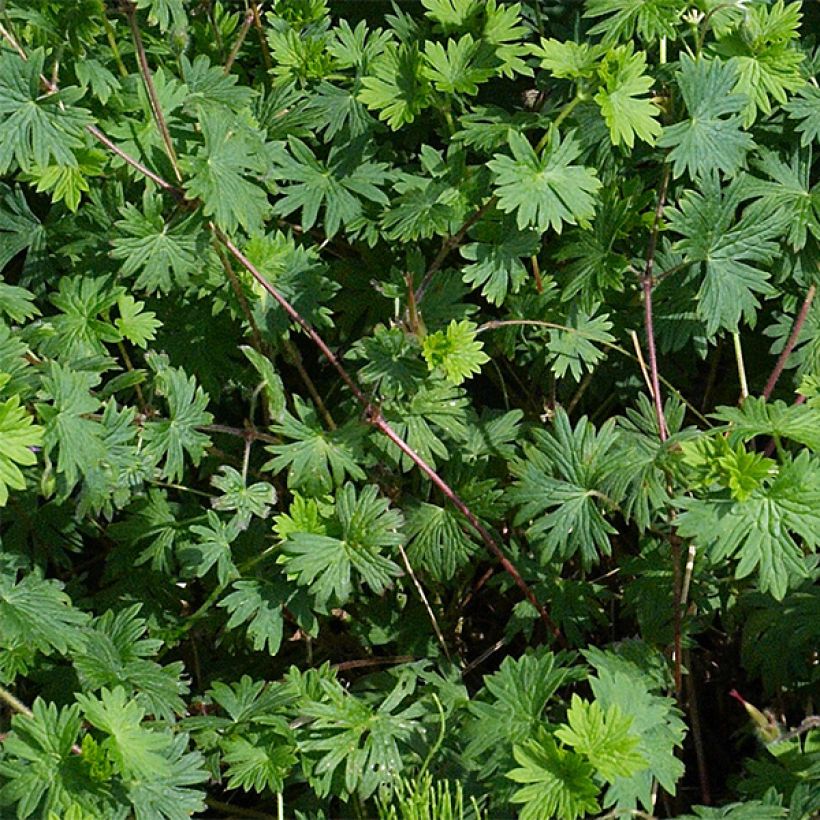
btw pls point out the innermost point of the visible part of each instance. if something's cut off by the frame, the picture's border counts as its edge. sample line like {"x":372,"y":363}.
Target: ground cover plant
{"x":409,"y":410}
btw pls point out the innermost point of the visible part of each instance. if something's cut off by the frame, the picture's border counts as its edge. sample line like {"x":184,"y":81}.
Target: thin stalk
{"x":647,"y":283}
{"x":644,"y":369}
{"x":741,"y":367}
{"x":14,"y":703}
{"x":263,"y":43}
{"x":562,"y":115}
{"x":499,"y":323}
{"x":790,"y":342}
{"x":295,"y":358}
{"x":131,"y":15}
{"x":536,"y":272}
{"x":236,"y":286}
{"x":115,"y":49}
{"x":240,"y":38}
{"x":420,"y":589}
{"x":697,"y":734}
{"x":130,"y":368}
{"x":450,"y":244}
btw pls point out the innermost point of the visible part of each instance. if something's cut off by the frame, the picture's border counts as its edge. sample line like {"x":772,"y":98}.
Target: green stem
{"x":741,"y":368}
{"x":562,"y":115}
{"x":115,"y":49}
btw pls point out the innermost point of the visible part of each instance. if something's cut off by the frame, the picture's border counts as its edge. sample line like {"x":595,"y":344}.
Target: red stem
{"x":790,"y":343}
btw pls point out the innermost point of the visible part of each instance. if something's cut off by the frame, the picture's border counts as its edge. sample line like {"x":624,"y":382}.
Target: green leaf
{"x":259,"y":762}
{"x":437,"y":543}
{"x":561,"y":486}
{"x":245,"y":500}
{"x":603,"y":737}
{"x":36,"y":613}
{"x":369,"y":743}
{"x":166,"y":254}
{"x":338,"y":186}
{"x":458,"y":69}
{"x":625,"y":110}
{"x":788,"y":190}
{"x":35,"y":127}
{"x":732,"y":257}
{"x":805,"y":108}
{"x":557,"y":782}
{"x":758,"y":417}
{"x":40,"y":769}
{"x":761,"y":531}
{"x":170,"y":438}
{"x":137,"y":325}
{"x":567,"y":59}
{"x":164,"y":13}
{"x":547,"y":191}
{"x":711,"y":138}
{"x":316,"y":460}
{"x":77,"y":438}
{"x":219,"y":171}
{"x":212,"y":548}
{"x":116,"y":651}
{"x":510,"y":707}
{"x":452,"y":14}
{"x":766,"y":58}
{"x":19,"y":437}
{"x":624,"y":680}
{"x":575,"y":349}
{"x":455,"y":351}
{"x":496,"y":258}
{"x":650,"y":19}
{"x":366,"y":526}
{"x":391,"y":361}
{"x":396,"y":86}
{"x":260,"y":605}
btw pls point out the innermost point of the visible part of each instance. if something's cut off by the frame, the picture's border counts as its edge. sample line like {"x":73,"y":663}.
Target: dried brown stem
{"x":790,"y":343}
{"x":647,"y":283}
{"x":240,"y":38}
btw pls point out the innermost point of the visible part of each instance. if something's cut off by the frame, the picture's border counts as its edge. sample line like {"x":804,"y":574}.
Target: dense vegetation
{"x":409,"y":410}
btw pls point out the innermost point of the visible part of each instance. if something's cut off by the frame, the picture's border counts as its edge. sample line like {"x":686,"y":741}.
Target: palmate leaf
{"x":391,"y":361}
{"x":452,"y":14}
{"x":459,"y":68}
{"x":77,"y":438}
{"x":219,"y":171}
{"x":170,"y":438}
{"x":259,"y":604}
{"x":115,"y":651}
{"x":731,"y":256}
{"x":711,"y":139}
{"x":34,"y":128}
{"x":36,"y":613}
{"x":556,"y":782}
{"x":164,"y":254}
{"x":243,"y":499}
{"x":325,"y":564}
{"x":767,"y":59}
{"x":42,"y":772}
{"x":764,"y":531}
{"x":603,"y":737}
{"x":575,"y":349}
{"x":135,"y":324}
{"x":20,"y":230}
{"x":337,"y":186}
{"x":650,"y":19}
{"x":316,"y":460}
{"x":396,"y":86}
{"x":547,"y":191}
{"x":212,"y":548}
{"x":625,"y":109}
{"x":455,"y":351}
{"x":369,"y":743}
{"x":788,"y":189}
{"x":19,"y":437}
{"x":757,"y":417}
{"x":624,"y":680}
{"x":510,"y":707}
{"x":496,"y":258}
{"x":561,"y":486}
{"x":259,"y":762}
{"x":805,"y":108}
{"x":437,"y":542}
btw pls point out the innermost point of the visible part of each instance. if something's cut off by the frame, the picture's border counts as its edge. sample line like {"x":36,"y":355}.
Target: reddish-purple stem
{"x":378,"y":421}
{"x":790,"y":343}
